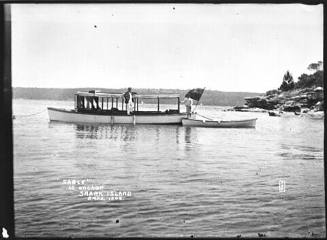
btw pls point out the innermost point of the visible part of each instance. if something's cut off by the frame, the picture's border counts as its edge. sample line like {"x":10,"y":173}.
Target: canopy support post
{"x":178,"y":100}
{"x":137,"y":104}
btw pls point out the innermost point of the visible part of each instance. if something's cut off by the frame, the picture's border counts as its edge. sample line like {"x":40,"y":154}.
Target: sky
{"x":225,"y":47}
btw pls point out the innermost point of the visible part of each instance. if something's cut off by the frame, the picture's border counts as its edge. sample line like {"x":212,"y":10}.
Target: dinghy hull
{"x":248,"y":123}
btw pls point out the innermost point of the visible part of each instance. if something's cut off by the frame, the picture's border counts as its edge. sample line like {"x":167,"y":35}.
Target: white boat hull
{"x":248,"y":123}
{"x":72,"y":116}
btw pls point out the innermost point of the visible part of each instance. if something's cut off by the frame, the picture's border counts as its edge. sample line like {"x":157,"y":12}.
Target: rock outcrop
{"x":292,"y":101}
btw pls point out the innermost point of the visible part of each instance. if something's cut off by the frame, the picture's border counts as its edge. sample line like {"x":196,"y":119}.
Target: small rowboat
{"x":274,"y":114}
{"x":247,"y":123}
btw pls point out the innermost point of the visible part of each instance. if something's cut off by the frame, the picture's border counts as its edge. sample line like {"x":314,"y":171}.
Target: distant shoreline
{"x":210,"y":97}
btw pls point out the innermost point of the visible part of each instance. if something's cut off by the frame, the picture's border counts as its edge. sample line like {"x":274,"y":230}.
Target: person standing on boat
{"x":188,"y":104}
{"x":129,"y":100}
{"x":193,"y":94}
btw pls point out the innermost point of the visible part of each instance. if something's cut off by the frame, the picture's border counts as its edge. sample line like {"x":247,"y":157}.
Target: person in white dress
{"x":188,"y":104}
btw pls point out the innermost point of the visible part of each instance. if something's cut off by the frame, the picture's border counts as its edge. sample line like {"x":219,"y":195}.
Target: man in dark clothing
{"x":129,"y":100}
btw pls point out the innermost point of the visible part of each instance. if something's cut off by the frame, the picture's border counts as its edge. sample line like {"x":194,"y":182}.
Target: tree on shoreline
{"x":288,"y":82}
{"x":315,"y":66}
{"x":312,"y":80}
{"x":316,"y":79}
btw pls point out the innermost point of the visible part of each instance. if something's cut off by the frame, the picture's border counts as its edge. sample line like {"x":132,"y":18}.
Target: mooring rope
{"x":28,"y":115}
{"x":205,"y":117}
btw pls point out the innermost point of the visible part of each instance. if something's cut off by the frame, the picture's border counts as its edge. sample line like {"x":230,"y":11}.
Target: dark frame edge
{"x":6,"y":136}
{"x":307,"y":2}
{"x":324,"y":84}
{"x":6,"y":130}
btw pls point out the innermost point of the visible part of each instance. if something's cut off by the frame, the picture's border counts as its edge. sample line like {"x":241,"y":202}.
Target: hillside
{"x":210,"y":97}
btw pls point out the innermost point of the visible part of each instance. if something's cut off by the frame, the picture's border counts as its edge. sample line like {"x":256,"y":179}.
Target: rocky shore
{"x":296,"y":100}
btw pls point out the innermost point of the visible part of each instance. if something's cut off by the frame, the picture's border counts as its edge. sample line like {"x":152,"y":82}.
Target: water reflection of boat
{"x":115,"y":132}
{"x":100,"y":107}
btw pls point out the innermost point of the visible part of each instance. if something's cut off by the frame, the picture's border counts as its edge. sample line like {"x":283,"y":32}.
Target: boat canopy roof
{"x":98,"y":94}
{"x":149,"y":96}
{"x":120,"y":95}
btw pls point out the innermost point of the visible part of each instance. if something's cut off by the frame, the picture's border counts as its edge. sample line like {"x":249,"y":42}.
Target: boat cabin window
{"x":96,"y":103}
{"x":116,"y":103}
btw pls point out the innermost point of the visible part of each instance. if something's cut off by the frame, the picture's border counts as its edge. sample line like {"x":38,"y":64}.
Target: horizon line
{"x":95,"y":88}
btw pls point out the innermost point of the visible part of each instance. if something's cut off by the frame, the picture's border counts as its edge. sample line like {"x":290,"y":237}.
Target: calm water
{"x":183,"y":181}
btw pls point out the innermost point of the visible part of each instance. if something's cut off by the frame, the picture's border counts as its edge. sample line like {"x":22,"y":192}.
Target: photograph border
{"x":7,"y":218}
